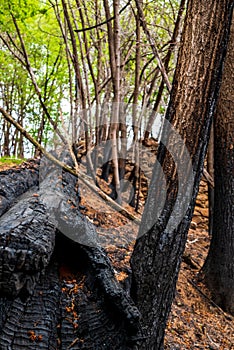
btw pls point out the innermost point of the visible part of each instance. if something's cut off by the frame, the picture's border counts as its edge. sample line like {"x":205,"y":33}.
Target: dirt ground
{"x":195,"y":321}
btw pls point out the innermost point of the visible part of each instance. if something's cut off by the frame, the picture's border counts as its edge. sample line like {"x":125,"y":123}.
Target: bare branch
{"x":18,"y":57}
{"x":153,"y":46}
{"x":102,"y":23}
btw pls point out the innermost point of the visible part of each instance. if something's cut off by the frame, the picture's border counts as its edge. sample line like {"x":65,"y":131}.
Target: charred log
{"x":26,"y":244}
{"x":16,"y":181}
{"x":41,"y":232}
{"x":88,"y":320}
{"x":32,"y":324}
{"x":27,"y":231}
{"x":118,"y":299}
{"x":62,"y":314}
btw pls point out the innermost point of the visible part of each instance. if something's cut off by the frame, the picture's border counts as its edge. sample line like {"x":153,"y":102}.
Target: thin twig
{"x":208,"y":177}
{"x":102,"y":23}
{"x":153,"y":45}
{"x":73,"y":343}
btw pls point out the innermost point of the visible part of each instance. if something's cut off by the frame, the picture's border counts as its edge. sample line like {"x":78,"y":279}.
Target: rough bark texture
{"x":171,"y":48}
{"x":108,"y":319}
{"x":16,"y":181}
{"x":219,"y":266}
{"x":22,"y":321}
{"x":27,"y":230}
{"x":59,"y":313}
{"x":39,"y":308}
{"x":26,"y":243}
{"x":157,"y":253}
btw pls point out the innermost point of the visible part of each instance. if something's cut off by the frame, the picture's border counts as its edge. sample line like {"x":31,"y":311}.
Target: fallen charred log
{"x":26,"y":245}
{"x":27,"y":235}
{"x":96,"y":263}
{"x":62,"y":314}
{"x":16,"y":181}
{"x":28,"y":231}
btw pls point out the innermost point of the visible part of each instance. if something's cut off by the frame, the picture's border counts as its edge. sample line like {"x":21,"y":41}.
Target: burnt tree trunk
{"x":158,"y":250}
{"x":219,"y":266}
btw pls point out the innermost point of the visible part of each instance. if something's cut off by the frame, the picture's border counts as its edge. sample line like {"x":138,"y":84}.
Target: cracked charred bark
{"x":159,"y":248}
{"x":23,"y":321}
{"x":14,"y":182}
{"x":219,"y":266}
{"x":42,"y":231}
{"x":27,"y":231}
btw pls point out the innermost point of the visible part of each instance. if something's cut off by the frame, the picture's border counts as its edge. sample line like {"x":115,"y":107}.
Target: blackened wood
{"x":27,"y":234}
{"x":32,"y":324}
{"x":95,"y":317}
{"x":15,"y":181}
{"x":219,"y":266}
{"x":112,"y":291}
{"x":27,"y":230}
{"x":88,"y":321}
{"x":62,"y":314}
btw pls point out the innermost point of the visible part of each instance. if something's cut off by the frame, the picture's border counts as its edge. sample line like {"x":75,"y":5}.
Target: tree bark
{"x":28,"y":231}
{"x":32,"y":323}
{"x":219,"y":266}
{"x":41,"y":232}
{"x":159,"y":248}
{"x":67,"y":314}
{"x":14,"y":182}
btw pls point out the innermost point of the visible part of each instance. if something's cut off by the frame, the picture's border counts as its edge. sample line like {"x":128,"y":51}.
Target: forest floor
{"x":195,"y":322}
{"x":8,"y":162}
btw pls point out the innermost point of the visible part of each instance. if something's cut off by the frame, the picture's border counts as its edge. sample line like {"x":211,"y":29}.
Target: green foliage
{"x":49,"y":57}
{"x":46,"y":56}
{"x":11,"y":160}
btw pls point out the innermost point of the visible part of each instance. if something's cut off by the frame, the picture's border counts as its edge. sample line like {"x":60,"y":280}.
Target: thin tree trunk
{"x":137,"y":78}
{"x":152,"y":44}
{"x":110,"y":41}
{"x":28,"y":66}
{"x":123,"y":143}
{"x":114,"y":127}
{"x":166,"y":65}
{"x":6,"y":145}
{"x":81,"y":89}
